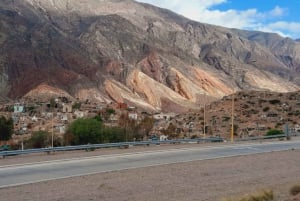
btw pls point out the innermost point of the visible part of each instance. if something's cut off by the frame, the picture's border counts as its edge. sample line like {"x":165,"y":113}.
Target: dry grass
{"x":265,"y":195}
{"x":295,"y":190}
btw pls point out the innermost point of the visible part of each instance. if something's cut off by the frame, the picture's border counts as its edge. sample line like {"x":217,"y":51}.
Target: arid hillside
{"x":254,"y":114}
{"x":124,"y":51}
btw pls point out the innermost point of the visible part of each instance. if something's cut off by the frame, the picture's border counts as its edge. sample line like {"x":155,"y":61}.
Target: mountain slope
{"x":137,"y":53}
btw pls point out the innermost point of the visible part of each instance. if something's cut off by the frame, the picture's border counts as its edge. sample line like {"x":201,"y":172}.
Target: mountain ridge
{"x":81,"y":46}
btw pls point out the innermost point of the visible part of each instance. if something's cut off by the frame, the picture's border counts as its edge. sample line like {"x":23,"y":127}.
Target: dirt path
{"x":194,"y":181}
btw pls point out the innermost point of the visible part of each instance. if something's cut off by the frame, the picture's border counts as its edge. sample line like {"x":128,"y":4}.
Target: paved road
{"x":30,"y":173}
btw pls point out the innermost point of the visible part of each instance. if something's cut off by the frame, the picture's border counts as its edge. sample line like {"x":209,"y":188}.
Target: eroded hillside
{"x":136,"y":53}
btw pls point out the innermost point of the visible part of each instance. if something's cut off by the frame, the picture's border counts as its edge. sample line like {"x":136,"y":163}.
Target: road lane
{"x":31,"y":173}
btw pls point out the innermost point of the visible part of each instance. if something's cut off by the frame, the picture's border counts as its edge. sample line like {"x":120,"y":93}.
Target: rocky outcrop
{"x":44,"y":92}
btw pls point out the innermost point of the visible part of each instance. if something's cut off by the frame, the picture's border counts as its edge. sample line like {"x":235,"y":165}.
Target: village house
{"x":164,"y":116}
{"x":297,"y":128}
{"x":18,"y":108}
{"x":163,"y":137}
{"x":64,"y":118}
{"x":79,"y":114}
{"x":66,"y":108}
{"x":133,"y":115}
{"x":60,"y":128}
{"x":121,"y":106}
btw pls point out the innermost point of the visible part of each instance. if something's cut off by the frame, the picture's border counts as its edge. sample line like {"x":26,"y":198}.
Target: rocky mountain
{"x":124,"y":51}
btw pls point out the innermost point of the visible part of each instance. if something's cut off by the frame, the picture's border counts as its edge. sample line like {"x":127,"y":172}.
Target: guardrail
{"x":127,"y":144}
{"x":107,"y":145}
{"x":261,"y":137}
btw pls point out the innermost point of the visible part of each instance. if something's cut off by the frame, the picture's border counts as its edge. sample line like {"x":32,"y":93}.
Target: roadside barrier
{"x":90,"y":147}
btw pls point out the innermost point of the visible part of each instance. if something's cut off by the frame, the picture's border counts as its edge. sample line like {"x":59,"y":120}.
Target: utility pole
{"x":232,"y":119}
{"x":52,"y":106}
{"x":204,"y":121}
{"x":52,"y":136}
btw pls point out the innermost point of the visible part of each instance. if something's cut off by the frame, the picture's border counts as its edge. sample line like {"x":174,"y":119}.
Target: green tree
{"x":98,"y":118}
{"x":113,"y":134}
{"x":84,"y":131}
{"x":6,"y":128}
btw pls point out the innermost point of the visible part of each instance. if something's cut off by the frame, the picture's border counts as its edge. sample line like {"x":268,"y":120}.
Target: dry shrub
{"x":295,"y":190}
{"x":266,"y":195}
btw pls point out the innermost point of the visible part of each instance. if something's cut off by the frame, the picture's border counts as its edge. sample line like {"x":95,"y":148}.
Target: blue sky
{"x":279,"y":16}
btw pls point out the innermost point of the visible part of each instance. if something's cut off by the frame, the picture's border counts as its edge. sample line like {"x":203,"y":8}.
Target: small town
{"x":54,"y":117}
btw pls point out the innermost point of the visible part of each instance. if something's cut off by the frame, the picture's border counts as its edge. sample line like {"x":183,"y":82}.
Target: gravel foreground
{"x":210,"y":180}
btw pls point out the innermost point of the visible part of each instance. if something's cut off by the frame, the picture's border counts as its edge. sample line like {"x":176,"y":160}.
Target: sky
{"x":278,"y":16}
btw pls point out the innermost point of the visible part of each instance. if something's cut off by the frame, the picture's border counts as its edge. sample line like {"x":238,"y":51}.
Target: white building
{"x":133,"y":116}
{"x":163,"y":137}
{"x":79,"y":114}
{"x":297,"y":128}
{"x":18,"y":108}
{"x":162,"y":116}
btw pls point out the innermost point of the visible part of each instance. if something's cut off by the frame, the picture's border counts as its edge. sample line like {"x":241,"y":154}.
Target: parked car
{"x":5,"y":147}
{"x":154,"y":138}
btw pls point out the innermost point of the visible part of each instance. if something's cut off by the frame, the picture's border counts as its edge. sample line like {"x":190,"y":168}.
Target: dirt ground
{"x":210,"y":180}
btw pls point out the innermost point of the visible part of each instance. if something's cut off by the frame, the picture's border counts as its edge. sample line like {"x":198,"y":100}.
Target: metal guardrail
{"x":107,"y":145}
{"x":127,"y":144}
{"x":261,"y":137}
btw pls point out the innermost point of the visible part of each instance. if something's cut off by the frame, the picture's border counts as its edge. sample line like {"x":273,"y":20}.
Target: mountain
{"x":124,"y":51}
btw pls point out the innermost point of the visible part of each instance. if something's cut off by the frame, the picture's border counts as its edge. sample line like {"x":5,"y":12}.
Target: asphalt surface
{"x":20,"y":174}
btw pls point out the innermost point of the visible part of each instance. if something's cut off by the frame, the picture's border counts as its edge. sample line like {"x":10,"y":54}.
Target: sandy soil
{"x":210,"y":180}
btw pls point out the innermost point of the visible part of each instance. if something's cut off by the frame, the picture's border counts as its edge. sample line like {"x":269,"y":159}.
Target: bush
{"x":76,"y":105}
{"x":266,"y":195}
{"x":116,"y":134}
{"x":6,"y":128}
{"x":39,"y":139}
{"x":110,"y":111}
{"x":253,"y":111}
{"x":274,"y":132}
{"x":194,"y":137}
{"x":295,"y":190}
{"x":274,"y":102}
{"x":266,"y":109}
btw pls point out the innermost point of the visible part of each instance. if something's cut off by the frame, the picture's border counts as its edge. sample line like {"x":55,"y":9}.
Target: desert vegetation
{"x":6,"y":128}
{"x":256,"y":114}
{"x":295,"y":190}
{"x":265,"y":195}
{"x":268,"y":195}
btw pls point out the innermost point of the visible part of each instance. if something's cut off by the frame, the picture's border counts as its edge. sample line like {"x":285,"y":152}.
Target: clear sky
{"x":279,"y":16}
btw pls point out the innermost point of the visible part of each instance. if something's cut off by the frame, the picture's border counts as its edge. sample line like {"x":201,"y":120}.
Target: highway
{"x":20,"y":174}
